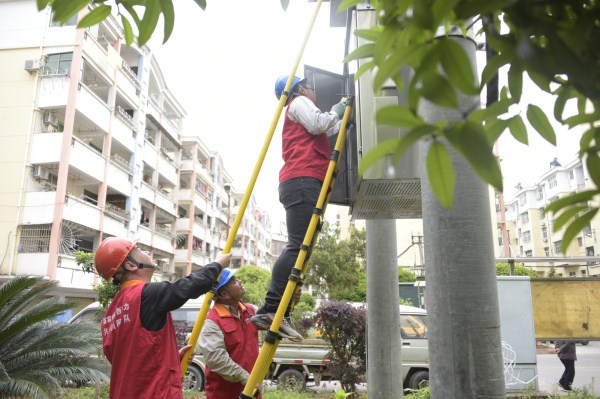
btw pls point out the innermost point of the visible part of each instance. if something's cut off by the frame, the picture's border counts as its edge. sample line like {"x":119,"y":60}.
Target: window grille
{"x":35,"y":239}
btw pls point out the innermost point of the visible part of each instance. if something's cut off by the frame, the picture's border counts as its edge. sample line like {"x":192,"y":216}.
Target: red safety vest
{"x":241,"y":342}
{"x":304,"y":154}
{"x":145,"y":364}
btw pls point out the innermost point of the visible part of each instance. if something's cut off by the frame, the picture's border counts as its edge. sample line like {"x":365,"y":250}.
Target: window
{"x":525,"y":217}
{"x":413,"y":326}
{"x":572,"y":274}
{"x":557,"y":247}
{"x":579,"y":242}
{"x":571,"y":175}
{"x":542,"y":212}
{"x":71,"y":22}
{"x":529,"y":253}
{"x":526,"y":236}
{"x":35,"y":239}
{"x":583,"y":274}
{"x":522,"y":199}
{"x":552,"y":182}
{"x":58,"y":64}
{"x":539,"y":194}
{"x":547,"y":251}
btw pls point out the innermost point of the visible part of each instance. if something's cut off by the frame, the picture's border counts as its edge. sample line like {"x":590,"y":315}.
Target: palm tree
{"x":37,"y":355}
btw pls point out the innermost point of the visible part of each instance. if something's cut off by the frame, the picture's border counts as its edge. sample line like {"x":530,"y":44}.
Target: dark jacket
{"x":567,"y":350}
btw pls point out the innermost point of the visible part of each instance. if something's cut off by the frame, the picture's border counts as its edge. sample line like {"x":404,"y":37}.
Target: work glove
{"x":339,"y":108}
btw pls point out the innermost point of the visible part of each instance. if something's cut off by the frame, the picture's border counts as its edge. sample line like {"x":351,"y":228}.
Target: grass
{"x":90,"y":393}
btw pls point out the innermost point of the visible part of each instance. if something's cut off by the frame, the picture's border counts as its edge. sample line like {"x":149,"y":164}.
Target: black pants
{"x":299,"y":197}
{"x":569,"y":374}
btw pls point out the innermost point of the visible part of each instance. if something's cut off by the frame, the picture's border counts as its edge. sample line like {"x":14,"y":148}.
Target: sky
{"x":222,"y":63}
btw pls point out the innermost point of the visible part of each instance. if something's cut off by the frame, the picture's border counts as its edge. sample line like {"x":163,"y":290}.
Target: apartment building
{"x":530,"y":229}
{"x":253,"y":244}
{"x":92,"y":146}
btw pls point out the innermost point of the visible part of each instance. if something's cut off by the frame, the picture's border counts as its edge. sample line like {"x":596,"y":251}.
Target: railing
{"x":128,"y":119}
{"x":121,"y":161}
{"x":130,"y":74}
{"x":115,"y":210}
{"x":163,"y":229}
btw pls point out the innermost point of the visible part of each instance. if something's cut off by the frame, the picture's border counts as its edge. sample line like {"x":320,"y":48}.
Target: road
{"x":587,"y":372}
{"x":587,"y":369}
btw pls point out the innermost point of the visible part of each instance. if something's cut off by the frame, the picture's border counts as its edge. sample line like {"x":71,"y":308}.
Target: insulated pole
{"x":384,"y":360}
{"x":465,"y":352}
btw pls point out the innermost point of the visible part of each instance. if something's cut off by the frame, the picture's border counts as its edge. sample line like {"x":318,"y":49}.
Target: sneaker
{"x":263,"y":322}
{"x":564,"y":387}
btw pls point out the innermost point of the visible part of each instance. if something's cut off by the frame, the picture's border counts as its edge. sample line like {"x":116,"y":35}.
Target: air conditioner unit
{"x":50,"y":119}
{"x":32,"y":65}
{"x":39,"y":172}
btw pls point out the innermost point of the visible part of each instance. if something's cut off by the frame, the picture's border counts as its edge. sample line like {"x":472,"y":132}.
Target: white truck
{"x":295,"y":364}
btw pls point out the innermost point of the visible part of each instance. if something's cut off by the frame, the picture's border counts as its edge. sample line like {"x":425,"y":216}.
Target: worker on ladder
{"x":305,"y":152}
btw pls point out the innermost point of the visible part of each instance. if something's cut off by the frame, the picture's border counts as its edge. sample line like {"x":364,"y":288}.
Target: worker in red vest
{"x":138,"y":335}
{"x":229,"y":341}
{"x":306,"y":154}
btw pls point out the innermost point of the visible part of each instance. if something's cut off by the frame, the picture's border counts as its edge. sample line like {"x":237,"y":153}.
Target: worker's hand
{"x":339,"y":108}
{"x":297,"y":296}
{"x":223,"y":259}
{"x":258,"y":391}
{"x":556,"y":350}
{"x":183,"y":351}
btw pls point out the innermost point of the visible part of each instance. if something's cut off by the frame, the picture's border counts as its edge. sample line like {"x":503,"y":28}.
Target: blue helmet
{"x":282,"y":80}
{"x":226,"y":275}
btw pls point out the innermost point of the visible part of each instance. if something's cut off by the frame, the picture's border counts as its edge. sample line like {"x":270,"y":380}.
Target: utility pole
{"x":383,"y":320}
{"x":465,"y":352}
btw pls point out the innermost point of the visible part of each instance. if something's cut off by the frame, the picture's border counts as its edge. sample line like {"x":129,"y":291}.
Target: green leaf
{"x":436,"y":89}
{"x":582,"y":196}
{"x":95,"y":16}
{"x":65,"y":9}
{"x":149,"y":21}
{"x":202,"y":4}
{"x":127,"y":30}
{"x":392,"y":65}
{"x":578,"y":225}
{"x":540,"y":80}
{"x":440,"y":173}
{"x":492,"y":67}
{"x":582,"y":118}
{"x":133,"y":14}
{"x":494,"y":128}
{"x":470,"y":140}
{"x":539,"y":121}
{"x":593,"y":165}
{"x":398,"y":116}
{"x":518,"y":129}
{"x":366,"y":50}
{"x":41,"y":4}
{"x":383,"y":149}
{"x":457,"y":66}
{"x":364,"y":67}
{"x":168,"y":18}
{"x":369,"y":34}
{"x":586,"y":140}
{"x":492,"y":112}
{"x":347,"y":4}
{"x":515,"y":81}
{"x":567,"y":215}
{"x":413,"y":136}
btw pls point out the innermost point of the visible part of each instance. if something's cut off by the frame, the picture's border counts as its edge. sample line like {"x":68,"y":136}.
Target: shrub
{"x":344,"y":327}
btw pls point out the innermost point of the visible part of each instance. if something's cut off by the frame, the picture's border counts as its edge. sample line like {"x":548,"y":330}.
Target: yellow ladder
{"x":272,"y":338}
{"x":244,"y":203}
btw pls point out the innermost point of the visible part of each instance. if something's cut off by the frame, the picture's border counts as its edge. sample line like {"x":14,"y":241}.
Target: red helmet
{"x":111,"y":254}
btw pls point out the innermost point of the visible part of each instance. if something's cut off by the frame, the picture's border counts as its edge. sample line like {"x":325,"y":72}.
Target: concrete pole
{"x":465,"y":352}
{"x":384,"y":361}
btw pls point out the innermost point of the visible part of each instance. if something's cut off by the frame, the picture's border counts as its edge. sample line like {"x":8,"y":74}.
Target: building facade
{"x":92,"y":146}
{"x":531,"y":230}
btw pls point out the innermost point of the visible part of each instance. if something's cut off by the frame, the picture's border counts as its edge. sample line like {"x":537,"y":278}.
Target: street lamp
{"x":227,"y":188}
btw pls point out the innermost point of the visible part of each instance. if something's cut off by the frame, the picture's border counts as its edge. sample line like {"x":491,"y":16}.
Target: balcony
{"x":124,"y":133}
{"x":167,"y":169}
{"x":166,"y":203}
{"x":114,"y":225}
{"x":118,"y":177}
{"x":104,"y":56}
{"x":128,"y":83}
{"x":54,"y":92}
{"x":79,"y":211}
{"x":87,"y":159}
{"x":163,"y":242}
{"x":150,"y":154}
{"x":93,"y":107}
{"x":147,"y":192}
{"x":144,"y":234}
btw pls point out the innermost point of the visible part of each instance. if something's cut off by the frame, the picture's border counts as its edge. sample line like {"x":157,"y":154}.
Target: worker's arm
{"x":212,"y":346}
{"x":159,"y":298}
{"x":306,"y":113}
